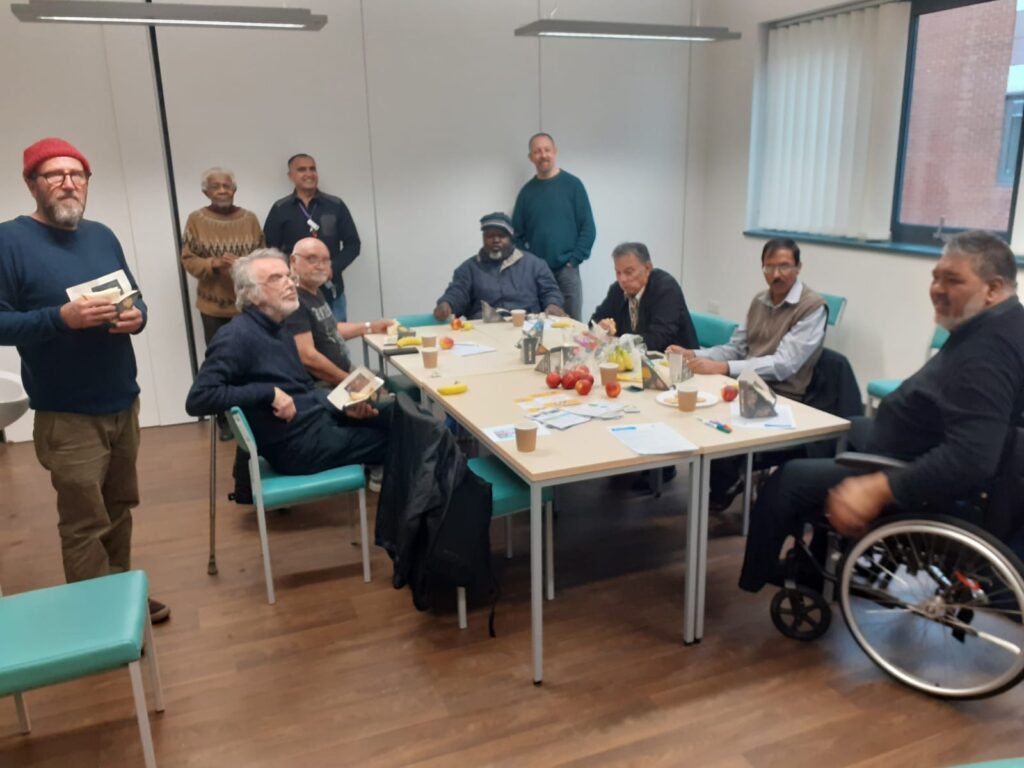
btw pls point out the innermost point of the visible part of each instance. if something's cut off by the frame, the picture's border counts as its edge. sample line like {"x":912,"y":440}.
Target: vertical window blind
{"x":831,"y":97}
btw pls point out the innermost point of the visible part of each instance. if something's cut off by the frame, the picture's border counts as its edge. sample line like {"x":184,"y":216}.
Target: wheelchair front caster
{"x":800,"y":613}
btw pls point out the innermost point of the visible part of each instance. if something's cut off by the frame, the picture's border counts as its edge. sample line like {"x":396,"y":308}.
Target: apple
{"x":583,"y":386}
{"x":456,"y":323}
{"x":729,"y":392}
{"x":554,"y":380}
{"x":589,"y":378}
{"x":447,"y":342}
{"x":569,"y":380}
{"x":582,"y":370}
{"x":613,"y":389}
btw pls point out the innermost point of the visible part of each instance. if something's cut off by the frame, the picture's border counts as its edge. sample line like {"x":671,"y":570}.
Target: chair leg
{"x":261,"y":518}
{"x":748,"y":490}
{"x":24,"y":723}
{"x":142,"y":715}
{"x":363,"y":536}
{"x":549,"y":547}
{"x":153,"y":667}
{"x":460,"y":593}
{"x":508,"y":537}
{"x":211,"y":565}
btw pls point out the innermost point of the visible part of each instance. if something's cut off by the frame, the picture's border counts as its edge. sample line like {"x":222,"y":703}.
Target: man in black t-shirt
{"x":320,"y":338}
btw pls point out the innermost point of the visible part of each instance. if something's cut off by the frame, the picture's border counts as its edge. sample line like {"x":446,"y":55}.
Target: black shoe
{"x":241,"y":496}
{"x":158,"y":612}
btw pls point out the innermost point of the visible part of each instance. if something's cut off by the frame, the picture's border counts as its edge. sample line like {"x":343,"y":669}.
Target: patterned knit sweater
{"x":209,"y":235}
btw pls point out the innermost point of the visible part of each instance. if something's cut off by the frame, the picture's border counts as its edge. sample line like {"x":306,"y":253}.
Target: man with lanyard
{"x":309,"y":212}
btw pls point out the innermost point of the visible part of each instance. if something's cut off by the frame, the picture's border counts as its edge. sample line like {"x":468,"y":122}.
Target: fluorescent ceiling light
{"x":174,"y":14}
{"x":624,"y":31}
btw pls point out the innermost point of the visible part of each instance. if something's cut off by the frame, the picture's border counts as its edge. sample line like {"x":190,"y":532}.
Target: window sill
{"x":885,"y":246}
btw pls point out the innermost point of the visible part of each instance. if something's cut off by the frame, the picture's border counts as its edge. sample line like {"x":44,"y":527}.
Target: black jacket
{"x":834,"y":387}
{"x":663,"y":318}
{"x":434,"y":514}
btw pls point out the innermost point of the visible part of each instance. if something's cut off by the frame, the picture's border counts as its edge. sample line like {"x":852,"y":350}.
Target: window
{"x":961,"y":126}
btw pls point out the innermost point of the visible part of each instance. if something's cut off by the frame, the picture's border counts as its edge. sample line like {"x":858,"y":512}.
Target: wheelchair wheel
{"x":937,"y":604}
{"x":800,"y":613}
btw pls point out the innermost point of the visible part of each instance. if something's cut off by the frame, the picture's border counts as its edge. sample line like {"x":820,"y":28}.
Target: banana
{"x":410,"y":341}
{"x":453,"y":389}
{"x":467,"y":326}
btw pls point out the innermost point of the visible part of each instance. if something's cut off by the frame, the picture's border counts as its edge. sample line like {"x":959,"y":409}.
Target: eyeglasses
{"x":782,"y":269}
{"x":281,"y":279}
{"x":316,"y":260}
{"x":56,"y":178}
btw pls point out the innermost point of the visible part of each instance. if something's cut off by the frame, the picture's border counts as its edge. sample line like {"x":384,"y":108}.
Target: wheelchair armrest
{"x":868,"y":461}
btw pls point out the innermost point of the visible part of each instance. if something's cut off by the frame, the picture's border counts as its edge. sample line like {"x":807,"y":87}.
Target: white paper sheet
{"x":596,"y":410}
{"x":558,"y":419}
{"x":650,"y":439}
{"x":783,"y":420}
{"x":507,"y":432}
{"x":467,"y":348}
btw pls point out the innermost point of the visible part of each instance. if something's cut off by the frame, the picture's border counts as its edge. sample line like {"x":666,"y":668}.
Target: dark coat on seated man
{"x":951,"y":420}
{"x":502,"y":275}
{"x":253,"y":364}
{"x":662,"y":318}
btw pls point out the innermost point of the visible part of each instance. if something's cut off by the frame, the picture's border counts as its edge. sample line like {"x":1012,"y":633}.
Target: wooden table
{"x":590,"y":451}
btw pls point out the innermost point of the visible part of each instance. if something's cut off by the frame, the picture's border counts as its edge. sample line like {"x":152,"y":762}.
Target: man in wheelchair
{"x":950,"y":422}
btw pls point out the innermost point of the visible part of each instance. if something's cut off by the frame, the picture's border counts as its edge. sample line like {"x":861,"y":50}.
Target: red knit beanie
{"x":46,"y":149}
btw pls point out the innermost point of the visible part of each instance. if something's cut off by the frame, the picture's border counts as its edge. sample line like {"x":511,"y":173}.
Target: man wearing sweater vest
{"x":552,"y":219}
{"x":781,"y":341}
{"x":77,"y":362}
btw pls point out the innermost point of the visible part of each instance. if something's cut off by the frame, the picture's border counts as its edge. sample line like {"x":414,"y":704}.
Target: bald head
{"x":311,"y":263}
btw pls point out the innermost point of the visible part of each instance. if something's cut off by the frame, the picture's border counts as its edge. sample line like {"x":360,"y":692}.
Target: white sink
{"x":13,"y":400}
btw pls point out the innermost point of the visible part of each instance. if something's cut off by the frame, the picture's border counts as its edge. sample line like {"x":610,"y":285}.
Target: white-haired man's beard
{"x":973,"y":307}
{"x":66,"y":212}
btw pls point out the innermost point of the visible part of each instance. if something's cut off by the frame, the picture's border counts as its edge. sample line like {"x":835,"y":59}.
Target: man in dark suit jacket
{"x":645,"y":301}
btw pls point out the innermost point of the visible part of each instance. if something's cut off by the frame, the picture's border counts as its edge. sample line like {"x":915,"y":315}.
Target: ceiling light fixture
{"x":624,"y":31}
{"x":172,"y":14}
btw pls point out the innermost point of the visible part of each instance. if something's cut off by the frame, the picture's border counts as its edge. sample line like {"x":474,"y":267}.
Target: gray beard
{"x":65,"y":213}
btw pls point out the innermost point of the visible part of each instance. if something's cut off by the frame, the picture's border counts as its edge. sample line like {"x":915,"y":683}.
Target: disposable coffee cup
{"x":609,"y":373}
{"x":526,"y":436}
{"x":430,"y":358}
{"x":518,"y":317}
{"x":428,"y":341}
{"x":686,"y":398}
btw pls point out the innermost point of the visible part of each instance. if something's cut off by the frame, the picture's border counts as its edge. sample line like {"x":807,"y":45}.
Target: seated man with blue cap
{"x":501,"y":275}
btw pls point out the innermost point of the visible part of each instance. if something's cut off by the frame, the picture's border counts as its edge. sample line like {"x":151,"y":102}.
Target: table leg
{"x":702,"y":545}
{"x":536,"y":584}
{"x":692,"y":534}
{"x":366,"y":353}
{"x":748,"y":492}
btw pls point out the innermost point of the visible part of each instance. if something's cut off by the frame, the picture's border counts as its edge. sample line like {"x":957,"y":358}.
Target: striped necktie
{"x":634,"y":312}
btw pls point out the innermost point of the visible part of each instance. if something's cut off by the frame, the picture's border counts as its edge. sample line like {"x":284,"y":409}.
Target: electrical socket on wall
{"x":713,"y":307}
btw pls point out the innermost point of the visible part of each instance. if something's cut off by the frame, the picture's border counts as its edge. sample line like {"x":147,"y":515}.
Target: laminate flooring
{"x":342,"y":673}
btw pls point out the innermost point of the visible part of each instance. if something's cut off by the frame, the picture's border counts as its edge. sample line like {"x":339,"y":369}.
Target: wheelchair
{"x":935,"y":602}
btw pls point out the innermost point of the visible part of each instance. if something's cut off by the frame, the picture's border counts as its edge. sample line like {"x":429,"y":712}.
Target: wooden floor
{"x":343,"y":673}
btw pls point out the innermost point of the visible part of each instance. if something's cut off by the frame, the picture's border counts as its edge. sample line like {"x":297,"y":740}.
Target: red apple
{"x":554,"y":379}
{"x":613,"y":389}
{"x":581,"y":370}
{"x":569,"y":380}
{"x":589,"y":378}
{"x":583,"y":386}
{"x":729,"y":392}
{"x":447,"y":342}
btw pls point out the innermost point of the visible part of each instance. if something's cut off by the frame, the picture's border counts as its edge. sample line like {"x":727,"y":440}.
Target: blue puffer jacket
{"x":522,"y":281}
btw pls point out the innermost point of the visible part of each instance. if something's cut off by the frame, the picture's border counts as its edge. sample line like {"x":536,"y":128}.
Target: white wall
{"x":417,"y":113}
{"x":888,"y":321}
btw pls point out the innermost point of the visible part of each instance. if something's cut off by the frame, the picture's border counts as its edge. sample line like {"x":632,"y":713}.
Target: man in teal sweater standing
{"x":553,"y":220}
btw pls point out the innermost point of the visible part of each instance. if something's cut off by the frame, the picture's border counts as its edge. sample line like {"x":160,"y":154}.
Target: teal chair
{"x":415,"y":321}
{"x":712,"y":330}
{"x":510,"y":495}
{"x":53,"y":635}
{"x":836,"y":306}
{"x":880,"y":388}
{"x":273,"y":491}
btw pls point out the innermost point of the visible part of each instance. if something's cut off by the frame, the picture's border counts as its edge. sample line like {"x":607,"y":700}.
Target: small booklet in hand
{"x":357,"y":387}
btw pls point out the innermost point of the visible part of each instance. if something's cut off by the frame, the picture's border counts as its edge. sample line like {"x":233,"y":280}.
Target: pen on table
{"x":717,"y":425}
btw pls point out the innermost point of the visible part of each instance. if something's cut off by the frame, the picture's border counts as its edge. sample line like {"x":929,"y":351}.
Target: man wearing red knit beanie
{"x":77,"y":362}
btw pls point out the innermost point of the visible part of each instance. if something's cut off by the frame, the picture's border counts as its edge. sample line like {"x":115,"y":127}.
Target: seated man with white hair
{"x":253,"y":363}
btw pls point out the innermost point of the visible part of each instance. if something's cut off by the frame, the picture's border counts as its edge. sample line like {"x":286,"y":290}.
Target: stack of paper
{"x":650,"y":439}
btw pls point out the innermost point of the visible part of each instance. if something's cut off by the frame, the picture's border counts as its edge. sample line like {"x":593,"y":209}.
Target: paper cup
{"x":428,"y":341}
{"x":609,"y":373}
{"x":686,"y":398}
{"x":526,"y":436}
{"x":518,"y":316}
{"x":430,"y":357}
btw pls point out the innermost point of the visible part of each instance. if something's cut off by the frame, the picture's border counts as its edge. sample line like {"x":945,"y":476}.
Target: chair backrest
{"x":244,"y":437}
{"x":836,"y":306}
{"x":412,"y":321}
{"x":712,"y":330}
{"x":938,"y":339}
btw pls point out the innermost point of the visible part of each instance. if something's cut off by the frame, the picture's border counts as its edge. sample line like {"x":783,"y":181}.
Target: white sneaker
{"x":376,"y":476}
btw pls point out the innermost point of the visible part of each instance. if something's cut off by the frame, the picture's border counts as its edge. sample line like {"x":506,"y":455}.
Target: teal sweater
{"x":552,"y":219}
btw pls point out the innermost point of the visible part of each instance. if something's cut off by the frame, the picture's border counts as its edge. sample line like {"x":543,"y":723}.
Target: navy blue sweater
{"x":89,"y":371}
{"x":246,"y":359}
